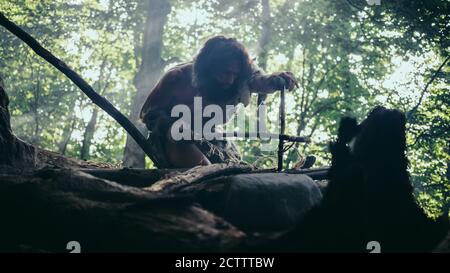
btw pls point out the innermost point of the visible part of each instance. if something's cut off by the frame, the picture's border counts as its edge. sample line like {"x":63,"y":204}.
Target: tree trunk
{"x":89,"y":135}
{"x":67,"y":134}
{"x":90,"y":128}
{"x":150,"y":69}
{"x":266,"y":35}
{"x":63,"y":205}
{"x":68,"y":130}
{"x":13,"y":151}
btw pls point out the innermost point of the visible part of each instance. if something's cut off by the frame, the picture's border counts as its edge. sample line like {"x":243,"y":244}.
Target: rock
{"x":258,"y":201}
{"x":269,"y":201}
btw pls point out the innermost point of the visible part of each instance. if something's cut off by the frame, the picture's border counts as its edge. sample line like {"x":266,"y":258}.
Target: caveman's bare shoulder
{"x":180,"y":77}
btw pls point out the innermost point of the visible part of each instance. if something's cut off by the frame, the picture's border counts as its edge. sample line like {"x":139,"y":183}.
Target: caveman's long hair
{"x":214,"y":56}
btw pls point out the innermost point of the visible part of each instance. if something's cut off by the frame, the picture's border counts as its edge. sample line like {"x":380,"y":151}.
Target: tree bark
{"x":68,"y":129}
{"x":150,"y":69}
{"x":63,"y":205}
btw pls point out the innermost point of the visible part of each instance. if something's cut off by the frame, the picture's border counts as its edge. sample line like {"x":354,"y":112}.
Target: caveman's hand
{"x":282,"y":80}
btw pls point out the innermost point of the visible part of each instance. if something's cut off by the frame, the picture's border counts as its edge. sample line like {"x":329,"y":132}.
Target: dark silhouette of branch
{"x":78,"y":81}
{"x":414,"y":110}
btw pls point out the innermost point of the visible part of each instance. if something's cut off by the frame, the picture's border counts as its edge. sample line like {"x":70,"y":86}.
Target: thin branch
{"x":311,"y":72}
{"x":313,"y":130}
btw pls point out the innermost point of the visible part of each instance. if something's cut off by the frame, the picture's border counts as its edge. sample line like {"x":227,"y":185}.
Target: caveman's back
{"x":177,"y":89}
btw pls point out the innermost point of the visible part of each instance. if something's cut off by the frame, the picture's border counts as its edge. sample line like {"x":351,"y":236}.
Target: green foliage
{"x":430,"y":151}
{"x":348,"y":57}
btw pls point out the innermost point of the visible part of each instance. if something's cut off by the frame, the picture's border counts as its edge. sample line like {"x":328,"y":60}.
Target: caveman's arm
{"x":261,"y":84}
{"x":268,"y":83}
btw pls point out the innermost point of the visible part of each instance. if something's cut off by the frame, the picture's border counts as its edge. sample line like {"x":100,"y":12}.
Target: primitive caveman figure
{"x":222,"y":73}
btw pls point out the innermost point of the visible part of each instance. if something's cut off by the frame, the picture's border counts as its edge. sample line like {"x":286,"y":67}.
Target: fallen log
{"x":57,"y":206}
{"x":13,"y":151}
{"x":146,"y":177}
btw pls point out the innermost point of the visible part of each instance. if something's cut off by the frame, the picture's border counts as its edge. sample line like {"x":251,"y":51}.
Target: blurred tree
{"x":149,"y":71}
